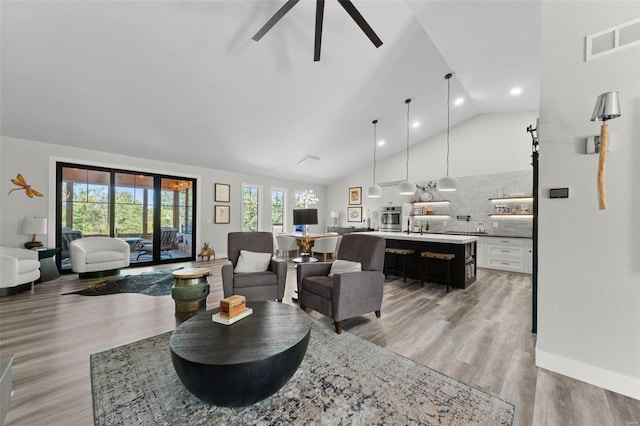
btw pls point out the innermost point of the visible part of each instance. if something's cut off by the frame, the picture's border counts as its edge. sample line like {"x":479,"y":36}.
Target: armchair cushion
{"x":250,"y":261}
{"x":255,"y":279}
{"x":342,"y":266}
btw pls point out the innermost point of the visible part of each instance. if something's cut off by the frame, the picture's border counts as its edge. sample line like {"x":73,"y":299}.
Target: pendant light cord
{"x":448,"y":77}
{"x":375,"y":123}
{"x":408,"y":102}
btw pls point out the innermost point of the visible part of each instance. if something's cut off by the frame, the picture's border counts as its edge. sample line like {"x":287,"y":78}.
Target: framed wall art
{"x":222,"y":214}
{"x":354,"y":214}
{"x":222,"y":193}
{"x":355,"y":195}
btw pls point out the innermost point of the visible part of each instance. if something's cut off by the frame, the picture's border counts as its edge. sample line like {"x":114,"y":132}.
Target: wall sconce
{"x":607,"y":107}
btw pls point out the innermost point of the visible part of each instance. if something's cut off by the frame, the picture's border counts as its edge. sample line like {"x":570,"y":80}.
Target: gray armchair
{"x":349,"y":294}
{"x":255,"y":286}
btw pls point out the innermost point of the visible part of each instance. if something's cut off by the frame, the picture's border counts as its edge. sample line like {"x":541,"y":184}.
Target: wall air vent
{"x":613,"y":39}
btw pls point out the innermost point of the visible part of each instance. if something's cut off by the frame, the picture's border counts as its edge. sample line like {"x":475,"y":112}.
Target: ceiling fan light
{"x":374,"y":191}
{"x":407,"y":188}
{"x":447,"y":184}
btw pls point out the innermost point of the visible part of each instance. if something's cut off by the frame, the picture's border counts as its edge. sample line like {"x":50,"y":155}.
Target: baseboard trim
{"x":610,"y":380}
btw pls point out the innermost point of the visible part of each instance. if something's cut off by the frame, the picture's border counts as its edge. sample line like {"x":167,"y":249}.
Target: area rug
{"x":152,"y":283}
{"x":342,"y":380}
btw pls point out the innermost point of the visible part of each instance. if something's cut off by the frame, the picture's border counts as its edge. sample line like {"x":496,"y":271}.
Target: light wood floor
{"x":480,"y":336}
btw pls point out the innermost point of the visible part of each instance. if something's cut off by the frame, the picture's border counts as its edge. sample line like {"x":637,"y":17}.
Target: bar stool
{"x":430,"y":257}
{"x":398,"y":252}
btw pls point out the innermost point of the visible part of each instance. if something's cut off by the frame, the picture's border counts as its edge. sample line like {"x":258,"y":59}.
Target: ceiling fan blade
{"x":274,"y":19}
{"x":364,"y":26}
{"x":319,"y":19}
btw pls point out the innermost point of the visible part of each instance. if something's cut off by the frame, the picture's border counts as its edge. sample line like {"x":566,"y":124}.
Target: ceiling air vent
{"x":613,"y":39}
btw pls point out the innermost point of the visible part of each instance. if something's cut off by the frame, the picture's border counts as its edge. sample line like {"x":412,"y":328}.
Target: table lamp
{"x":335,"y":214}
{"x":607,"y":107}
{"x":34,"y":226}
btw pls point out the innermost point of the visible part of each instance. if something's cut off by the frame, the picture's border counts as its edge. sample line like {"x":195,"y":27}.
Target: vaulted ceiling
{"x":182,"y":81}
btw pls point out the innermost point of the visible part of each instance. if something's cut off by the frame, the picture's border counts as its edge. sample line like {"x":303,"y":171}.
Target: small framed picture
{"x":354,"y":214}
{"x":222,"y":192}
{"x":222,"y":214}
{"x":355,"y":195}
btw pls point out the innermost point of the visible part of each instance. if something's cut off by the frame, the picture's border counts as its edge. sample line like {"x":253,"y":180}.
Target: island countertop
{"x":426,"y":237}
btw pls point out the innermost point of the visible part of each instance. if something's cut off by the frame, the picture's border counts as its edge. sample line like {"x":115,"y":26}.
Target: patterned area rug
{"x":153,"y":283}
{"x":342,"y":380}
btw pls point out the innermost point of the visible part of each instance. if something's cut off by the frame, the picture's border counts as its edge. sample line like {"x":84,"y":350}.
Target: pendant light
{"x":448,"y":183}
{"x":374,"y":191}
{"x":407,"y":187}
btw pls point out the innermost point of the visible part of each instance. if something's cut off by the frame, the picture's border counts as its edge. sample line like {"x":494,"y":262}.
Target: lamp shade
{"x":34,"y":225}
{"x":335,"y":213}
{"x":407,"y":188}
{"x":374,"y":191}
{"x":447,"y":184}
{"x":607,"y":107}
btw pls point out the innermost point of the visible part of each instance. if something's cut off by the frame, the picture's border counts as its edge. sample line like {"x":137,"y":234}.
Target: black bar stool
{"x":430,"y":257}
{"x":398,"y":252}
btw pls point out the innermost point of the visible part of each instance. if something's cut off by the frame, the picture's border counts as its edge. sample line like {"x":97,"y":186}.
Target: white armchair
{"x":19,"y":268}
{"x":99,"y":256}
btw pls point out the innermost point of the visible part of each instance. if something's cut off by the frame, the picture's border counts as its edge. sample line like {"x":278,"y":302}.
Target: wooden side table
{"x":48,"y":268}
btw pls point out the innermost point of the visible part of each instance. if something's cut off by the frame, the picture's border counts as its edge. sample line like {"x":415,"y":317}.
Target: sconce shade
{"x":407,"y":188}
{"x":607,"y":107}
{"x":374,"y":191}
{"x":34,"y":225}
{"x":447,"y":184}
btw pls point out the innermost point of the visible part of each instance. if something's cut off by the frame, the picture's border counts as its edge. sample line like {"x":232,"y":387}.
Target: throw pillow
{"x":342,"y":266}
{"x":251,"y":261}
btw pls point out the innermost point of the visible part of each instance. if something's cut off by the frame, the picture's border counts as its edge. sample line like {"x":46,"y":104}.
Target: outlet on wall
{"x":495,"y":224}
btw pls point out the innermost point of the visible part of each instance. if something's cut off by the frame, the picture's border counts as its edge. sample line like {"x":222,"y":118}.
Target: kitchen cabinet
{"x":391,"y":197}
{"x":505,"y":254}
{"x":482,"y":252}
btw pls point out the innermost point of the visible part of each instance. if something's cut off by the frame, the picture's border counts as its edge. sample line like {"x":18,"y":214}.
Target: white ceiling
{"x":182,"y":81}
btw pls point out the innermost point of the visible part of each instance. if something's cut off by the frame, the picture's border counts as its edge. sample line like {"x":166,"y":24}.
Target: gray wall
{"x":589,"y":281}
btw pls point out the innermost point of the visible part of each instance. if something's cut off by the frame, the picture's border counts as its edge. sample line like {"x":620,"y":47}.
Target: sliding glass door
{"x":102,"y":202}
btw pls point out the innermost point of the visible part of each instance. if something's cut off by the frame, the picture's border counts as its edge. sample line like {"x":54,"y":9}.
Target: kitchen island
{"x":463,"y":266}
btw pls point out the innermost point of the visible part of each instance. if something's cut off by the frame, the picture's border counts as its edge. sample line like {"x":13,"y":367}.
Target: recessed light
{"x":458,"y":101}
{"x":415,"y":124}
{"x":380,"y":143}
{"x":516,"y":91}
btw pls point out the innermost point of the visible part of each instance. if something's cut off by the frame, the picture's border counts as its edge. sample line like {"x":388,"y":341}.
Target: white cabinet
{"x":505,"y":254}
{"x":481,"y":248}
{"x":391,"y":197}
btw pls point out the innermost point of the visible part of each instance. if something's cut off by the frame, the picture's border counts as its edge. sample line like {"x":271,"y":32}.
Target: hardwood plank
{"x":480,"y":336}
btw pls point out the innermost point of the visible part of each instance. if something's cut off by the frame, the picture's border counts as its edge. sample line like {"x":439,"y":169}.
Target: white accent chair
{"x":99,"y":256}
{"x":19,"y":268}
{"x":325,"y":246}
{"x":286,"y":244}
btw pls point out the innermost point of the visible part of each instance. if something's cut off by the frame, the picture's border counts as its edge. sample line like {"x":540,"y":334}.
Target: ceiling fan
{"x":346,"y":4}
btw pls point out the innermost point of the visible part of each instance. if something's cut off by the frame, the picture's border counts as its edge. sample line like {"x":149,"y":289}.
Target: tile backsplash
{"x":472,"y":199}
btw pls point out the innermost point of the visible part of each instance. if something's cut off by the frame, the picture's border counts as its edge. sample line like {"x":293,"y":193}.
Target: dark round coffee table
{"x":242,"y":363}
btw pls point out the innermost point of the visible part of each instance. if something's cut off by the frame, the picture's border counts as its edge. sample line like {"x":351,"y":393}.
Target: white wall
{"x":589,"y":264}
{"x":36,"y":161}
{"x":485,"y":144}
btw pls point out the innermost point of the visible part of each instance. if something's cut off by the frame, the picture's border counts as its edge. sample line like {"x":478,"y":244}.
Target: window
{"x":250,"y":208}
{"x":300,"y":204}
{"x":278,"y":197}
{"x":104,"y":202}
